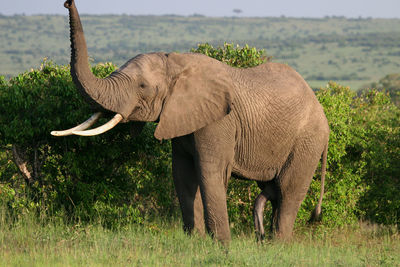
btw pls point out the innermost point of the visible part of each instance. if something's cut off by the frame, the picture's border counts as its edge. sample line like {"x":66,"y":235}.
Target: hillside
{"x":353,"y":52}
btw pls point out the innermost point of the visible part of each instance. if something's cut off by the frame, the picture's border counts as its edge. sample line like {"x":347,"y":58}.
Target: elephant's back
{"x":273,"y":77}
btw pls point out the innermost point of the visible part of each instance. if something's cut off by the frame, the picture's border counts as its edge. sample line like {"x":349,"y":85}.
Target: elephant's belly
{"x":261,"y":160}
{"x":266,"y":174}
{"x":258,"y":166}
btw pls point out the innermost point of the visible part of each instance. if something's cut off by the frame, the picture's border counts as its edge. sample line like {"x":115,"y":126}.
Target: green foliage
{"x":2,"y":81}
{"x":390,"y":84}
{"x":364,"y":152}
{"x":109,"y":177}
{"x":342,"y":188}
{"x":115,"y":179}
{"x":377,"y":147}
{"x":242,"y":57}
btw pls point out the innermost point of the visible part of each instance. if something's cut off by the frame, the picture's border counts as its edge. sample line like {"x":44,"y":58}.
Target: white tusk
{"x":101,"y":129}
{"x":83,"y":126}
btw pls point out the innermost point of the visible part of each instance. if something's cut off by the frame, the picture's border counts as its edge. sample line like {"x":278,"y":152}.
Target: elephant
{"x":261,"y":123}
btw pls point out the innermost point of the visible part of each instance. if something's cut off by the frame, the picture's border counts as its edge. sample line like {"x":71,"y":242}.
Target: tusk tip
{"x":57,"y":133}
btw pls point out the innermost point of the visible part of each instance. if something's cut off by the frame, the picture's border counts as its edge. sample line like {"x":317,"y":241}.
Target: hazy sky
{"x":290,"y":8}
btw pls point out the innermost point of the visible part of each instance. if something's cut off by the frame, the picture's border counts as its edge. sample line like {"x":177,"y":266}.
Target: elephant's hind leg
{"x":293,"y":183}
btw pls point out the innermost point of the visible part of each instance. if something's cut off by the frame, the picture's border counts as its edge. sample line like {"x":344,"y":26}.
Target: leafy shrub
{"x":377,"y":146}
{"x":241,"y":57}
{"x":342,"y":188}
{"x":364,"y":152}
{"x":115,"y":179}
{"x":390,"y":84}
{"x":87,"y":178}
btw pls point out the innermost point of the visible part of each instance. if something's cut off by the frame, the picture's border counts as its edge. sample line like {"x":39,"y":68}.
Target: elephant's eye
{"x":142,"y":85}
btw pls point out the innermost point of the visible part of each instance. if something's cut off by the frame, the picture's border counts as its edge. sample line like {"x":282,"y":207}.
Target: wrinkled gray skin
{"x":262,"y":123}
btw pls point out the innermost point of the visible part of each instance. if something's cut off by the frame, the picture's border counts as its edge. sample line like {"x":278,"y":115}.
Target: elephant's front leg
{"x":188,"y":189}
{"x":213,"y":150}
{"x":213,"y":178}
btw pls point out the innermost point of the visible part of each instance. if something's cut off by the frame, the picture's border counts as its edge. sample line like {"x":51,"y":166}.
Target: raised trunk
{"x":109,"y":93}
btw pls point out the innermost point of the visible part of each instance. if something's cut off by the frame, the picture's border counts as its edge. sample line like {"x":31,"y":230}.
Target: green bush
{"x":377,"y":149}
{"x":364,"y":155}
{"x":236,"y":56}
{"x":99,"y":178}
{"x":342,"y":188}
{"x":116,"y":179}
{"x":390,"y":84}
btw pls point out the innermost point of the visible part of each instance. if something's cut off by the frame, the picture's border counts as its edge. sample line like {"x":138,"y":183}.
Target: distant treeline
{"x":358,"y":51}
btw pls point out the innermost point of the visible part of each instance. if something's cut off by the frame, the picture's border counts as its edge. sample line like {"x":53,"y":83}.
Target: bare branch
{"x":22,"y":164}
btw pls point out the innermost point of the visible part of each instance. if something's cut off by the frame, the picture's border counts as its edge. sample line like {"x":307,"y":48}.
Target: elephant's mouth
{"x":81,"y":129}
{"x":161,"y":109}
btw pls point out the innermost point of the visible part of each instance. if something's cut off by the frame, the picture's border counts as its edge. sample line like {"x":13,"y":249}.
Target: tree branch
{"x":22,"y":165}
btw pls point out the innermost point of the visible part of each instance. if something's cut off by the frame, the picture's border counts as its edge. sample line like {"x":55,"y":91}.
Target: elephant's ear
{"x":201,"y":92}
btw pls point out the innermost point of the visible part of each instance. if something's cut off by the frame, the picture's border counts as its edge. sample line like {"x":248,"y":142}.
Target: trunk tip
{"x":68,"y":3}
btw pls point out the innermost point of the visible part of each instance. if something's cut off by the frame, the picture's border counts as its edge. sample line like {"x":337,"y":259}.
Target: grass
{"x":28,"y":242}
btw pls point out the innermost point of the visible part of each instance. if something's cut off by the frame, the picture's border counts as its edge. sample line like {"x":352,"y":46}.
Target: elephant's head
{"x":184,"y":92}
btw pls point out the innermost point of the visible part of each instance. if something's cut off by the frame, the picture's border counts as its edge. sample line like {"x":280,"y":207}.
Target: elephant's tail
{"x":316,"y":214}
